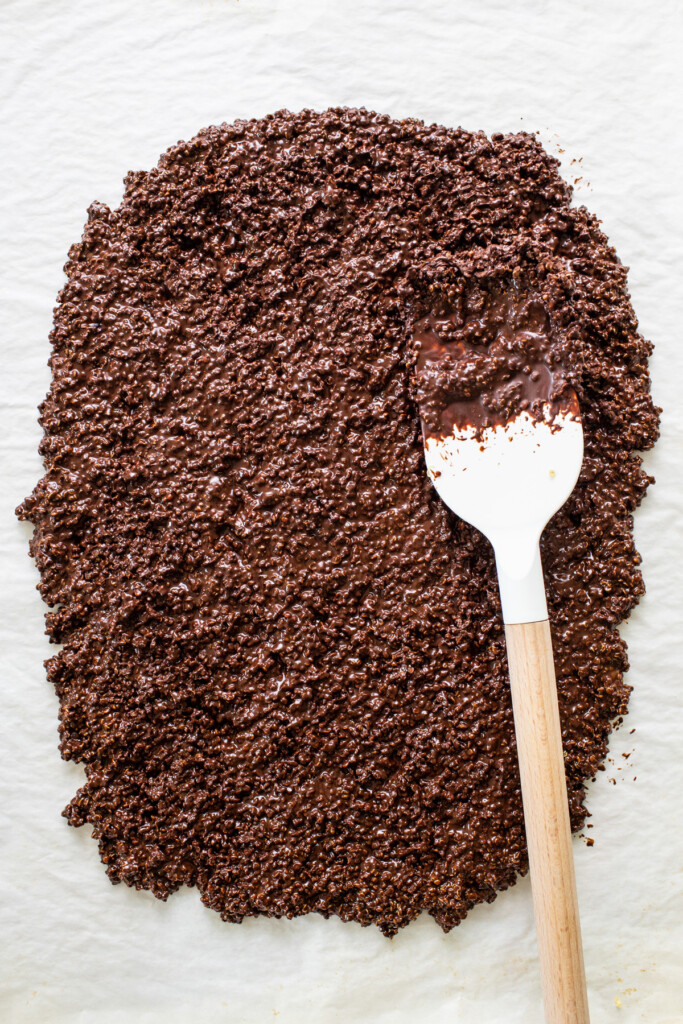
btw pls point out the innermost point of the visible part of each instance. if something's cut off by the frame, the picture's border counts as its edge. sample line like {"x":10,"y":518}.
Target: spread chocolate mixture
{"x":486,"y":354}
{"x":283,"y":666}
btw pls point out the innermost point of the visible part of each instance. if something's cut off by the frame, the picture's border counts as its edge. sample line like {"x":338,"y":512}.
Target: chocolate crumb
{"x":283,"y":665}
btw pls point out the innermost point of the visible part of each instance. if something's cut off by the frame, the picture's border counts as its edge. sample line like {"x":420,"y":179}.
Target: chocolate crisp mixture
{"x":487,"y":352}
{"x":283,"y":666}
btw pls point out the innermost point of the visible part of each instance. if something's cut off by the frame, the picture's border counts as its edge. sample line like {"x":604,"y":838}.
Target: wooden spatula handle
{"x":546,"y":816}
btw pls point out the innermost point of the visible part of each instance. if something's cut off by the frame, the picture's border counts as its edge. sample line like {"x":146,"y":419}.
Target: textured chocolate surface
{"x":486,"y":354}
{"x":283,"y":665}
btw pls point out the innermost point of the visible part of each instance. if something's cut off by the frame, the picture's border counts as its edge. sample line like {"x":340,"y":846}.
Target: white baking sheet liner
{"x":93,"y":89}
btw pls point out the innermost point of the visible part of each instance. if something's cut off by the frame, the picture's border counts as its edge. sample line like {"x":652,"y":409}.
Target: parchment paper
{"x":92,"y":89}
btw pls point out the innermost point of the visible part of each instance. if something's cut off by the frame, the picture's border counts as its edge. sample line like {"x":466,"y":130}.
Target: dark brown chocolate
{"x":284,"y":667}
{"x":486,"y":358}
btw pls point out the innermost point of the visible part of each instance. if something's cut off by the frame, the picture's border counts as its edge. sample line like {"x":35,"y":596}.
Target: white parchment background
{"x":93,"y":88}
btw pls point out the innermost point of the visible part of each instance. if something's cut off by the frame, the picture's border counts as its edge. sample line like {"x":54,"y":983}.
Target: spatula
{"x":507,"y":481}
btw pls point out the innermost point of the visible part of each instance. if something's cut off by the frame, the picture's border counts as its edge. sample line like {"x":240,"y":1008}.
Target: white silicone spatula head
{"x":508,"y":481}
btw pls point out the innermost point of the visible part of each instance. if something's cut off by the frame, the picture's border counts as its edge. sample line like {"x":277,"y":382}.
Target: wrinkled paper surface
{"x":94,"y":89}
